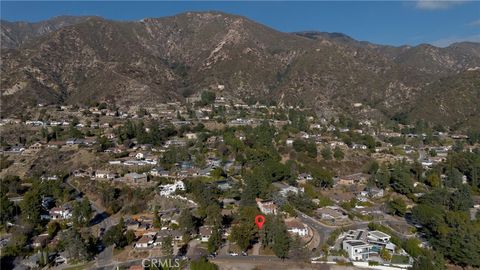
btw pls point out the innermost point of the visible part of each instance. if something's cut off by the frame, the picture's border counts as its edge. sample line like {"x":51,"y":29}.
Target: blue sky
{"x":383,"y":22}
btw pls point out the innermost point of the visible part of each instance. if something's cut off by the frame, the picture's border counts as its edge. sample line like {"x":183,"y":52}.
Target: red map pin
{"x":259,"y":220}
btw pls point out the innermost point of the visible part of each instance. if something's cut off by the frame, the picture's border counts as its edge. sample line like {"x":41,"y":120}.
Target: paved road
{"x":322,"y":230}
{"x":105,"y":257}
{"x":100,"y":212}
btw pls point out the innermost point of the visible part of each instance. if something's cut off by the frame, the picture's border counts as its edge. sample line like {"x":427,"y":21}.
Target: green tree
{"x":130,"y":236}
{"x":75,"y":246}
{"x":385,"y":254}
{"x":115,"y":236}
{"x":243,"y":234}
{"x":327,"y":153}
{"x":157,"y":221}
{"x":7,"y":210}
{"x":31,"y":207}
{"x":412,"y":247}
{"x":396,"y":206}
{"x":187,"y":222}
{"x":167,"y":246}
{"x":207,"y":97}
{"x":281,"y":239}
{"x":401,"y":180}
{"x":430,"y":261}
{"x":215,"y":240}
{"x":82,"y":213}
{"x":338,"y":153}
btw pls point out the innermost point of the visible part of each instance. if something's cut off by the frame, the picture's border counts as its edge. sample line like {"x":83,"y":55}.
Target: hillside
{"x":79,"y":60}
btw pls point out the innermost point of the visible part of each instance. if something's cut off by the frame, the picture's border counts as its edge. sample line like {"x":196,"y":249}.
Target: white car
{"x":233,"y":254}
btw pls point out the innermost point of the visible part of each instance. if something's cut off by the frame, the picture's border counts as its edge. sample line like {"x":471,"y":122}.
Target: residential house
{"x":63,"y":212}
{"x":294,"y":226}
{"x":224,"y":184}
{"x":267,"y":206}
{"x":285,"y":191}
{"x":191,"y":136}
{"x":359,"y":146}
{"x":36,"y":146}
{"x":159,"y":172}
{"x":169,"y":189}
{"x":304,"y":177}
{"x":357,"y":250}
{"x":357,"y":178}
{"x":331,"y":214}
{"x":136,"y":178}
{"x":104,"y":175}
{"x":145,"y":241}
{"x":205,"y":233}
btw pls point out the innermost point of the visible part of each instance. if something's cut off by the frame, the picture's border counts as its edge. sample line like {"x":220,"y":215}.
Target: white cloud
{"x":474,"y":23}
{"x":445,"y":42}
{"x":438,"y":4}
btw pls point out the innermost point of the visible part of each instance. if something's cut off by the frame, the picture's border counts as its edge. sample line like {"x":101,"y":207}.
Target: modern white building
{"x":357,"y":250}
{"x":169,"y":189}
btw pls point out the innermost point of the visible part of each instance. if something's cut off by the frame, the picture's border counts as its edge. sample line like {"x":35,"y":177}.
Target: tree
{"x":31,"y":207}
{"x":433,"y":180}
{"x":338,"y":153}
{"x":53,"y":228}
{"x":461,"y":199}
{"x":75,"y":246}
{"x":243,"y":234}
{"x":7,"y":210}
{"x":214,"y":215}
{"x":327,"y":153}
{"x":372,"y":167}
{"x":396,"y":206}
{"x":401,"y":180}
{"x":218,"y":173}
{"x":82,"y":213}
{"x":382,"y":177}
{"x":167,"y":246}
{"x":187,"y":222}
{"x":430,"y":261}
{"x":215,"y":240}
{"x":321,"y":177}
{"x":385,"y":254}
{"x":281,"y":240}
{"x":207,"y":97}
{"x":157,"y":221}
{"x":412,"y":247}
{"x":454,"y":178}
{"x":115,"y":236}
{"x":130,"y":236}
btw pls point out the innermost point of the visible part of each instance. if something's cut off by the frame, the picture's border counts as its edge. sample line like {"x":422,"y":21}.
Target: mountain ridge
{"x":172,"y":57}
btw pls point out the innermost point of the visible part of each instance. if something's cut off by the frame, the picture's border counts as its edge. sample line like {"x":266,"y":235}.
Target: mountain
{"x":160,"y":59}
{"x":14,"y":34}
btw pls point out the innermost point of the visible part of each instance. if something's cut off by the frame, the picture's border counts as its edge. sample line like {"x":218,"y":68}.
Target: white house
{"x":104,"y":175}
{"x":169,"y":189}
{"x":357,"y":250}
{"x":296,"y":227}
{"x":290,"y":189}
{"x":191,"y":136}
{"x":60,"y":213}
{"x":267,"y":207}
{"x":140,"y":155}
{"x":145,"y":241}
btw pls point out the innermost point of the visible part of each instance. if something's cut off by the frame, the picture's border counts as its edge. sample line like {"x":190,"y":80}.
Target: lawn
{"x":399,"y":259}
